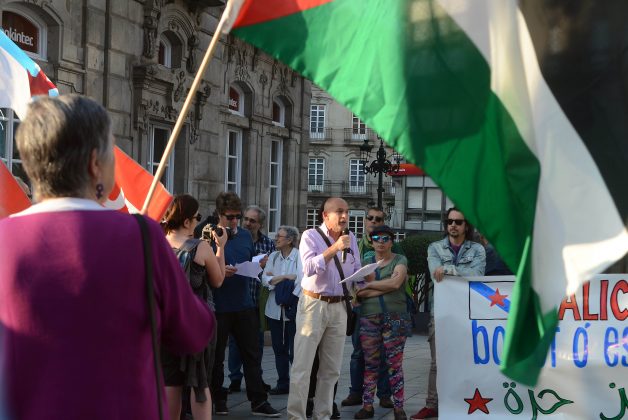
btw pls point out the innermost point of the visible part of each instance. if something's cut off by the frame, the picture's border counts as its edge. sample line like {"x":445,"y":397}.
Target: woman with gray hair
{"x":282,"y":276}
{"x":77,"y":333}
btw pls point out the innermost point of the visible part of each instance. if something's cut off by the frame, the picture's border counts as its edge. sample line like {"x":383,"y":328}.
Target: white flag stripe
{"x":230,"y":14}
{"x":15,"y":91}
{"x":576,"y":220}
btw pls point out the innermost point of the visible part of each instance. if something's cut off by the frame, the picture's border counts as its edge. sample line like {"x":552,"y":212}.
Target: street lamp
{"x":380,"y":166}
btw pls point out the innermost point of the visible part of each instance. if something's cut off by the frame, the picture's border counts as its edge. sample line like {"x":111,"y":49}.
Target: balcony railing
{"x":321,"y":135}
{"x":355,"y":188}
{"x":352,"y":134}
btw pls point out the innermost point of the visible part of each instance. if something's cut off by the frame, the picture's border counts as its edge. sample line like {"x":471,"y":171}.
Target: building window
{"x":274,"y":205}
{"x":415,"y":198}
{"x":357,"y":177}
{"x":8,"y":149}
{"x":317,"y":121}
{"x":279,"y":113}
{"x":170,"y":50}
{"x":356,"y":222}
{"x":233,"y":167}
{"x":236,"y":100}
{"x":315,"y":174}
{"x":312,"y":218}
{"x":26,"y":32}
{"x":433,"y":199}
{"x":159,"y":136}
{"x":164,"y":56}
{"x":358,"y":131}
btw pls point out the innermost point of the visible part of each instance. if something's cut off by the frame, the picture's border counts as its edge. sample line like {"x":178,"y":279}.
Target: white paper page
{"x":249,"y":269}
{"x":361,"y":273}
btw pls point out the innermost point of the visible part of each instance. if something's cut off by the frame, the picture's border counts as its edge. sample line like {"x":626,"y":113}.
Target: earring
{"x":99,"y":189}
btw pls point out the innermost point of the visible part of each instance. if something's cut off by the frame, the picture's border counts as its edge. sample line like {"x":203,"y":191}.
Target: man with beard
{"x":454,"y":255}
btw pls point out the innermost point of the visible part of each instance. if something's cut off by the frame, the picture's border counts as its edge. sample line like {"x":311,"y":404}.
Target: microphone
{"x":344,"y":251}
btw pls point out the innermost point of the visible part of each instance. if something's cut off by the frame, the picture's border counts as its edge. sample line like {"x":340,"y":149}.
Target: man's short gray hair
{"x":291,"y":233}
{"x":56,"y":141}
{"x":261,"y":213}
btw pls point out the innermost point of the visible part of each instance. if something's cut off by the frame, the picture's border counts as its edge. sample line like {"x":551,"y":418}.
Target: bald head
{"x":336,"y":214}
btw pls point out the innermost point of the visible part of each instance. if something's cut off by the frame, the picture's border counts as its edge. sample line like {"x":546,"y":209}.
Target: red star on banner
{"x":478,"y":402}
{"x":497,"y":299}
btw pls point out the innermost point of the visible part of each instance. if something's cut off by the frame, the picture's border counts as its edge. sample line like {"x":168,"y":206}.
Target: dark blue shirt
{"x":235,"y":294}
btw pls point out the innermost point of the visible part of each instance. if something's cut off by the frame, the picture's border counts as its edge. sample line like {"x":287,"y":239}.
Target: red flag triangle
{"x":12,"y":198}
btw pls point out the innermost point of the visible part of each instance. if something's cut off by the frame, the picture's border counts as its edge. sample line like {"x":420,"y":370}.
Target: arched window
{"x":164,"y":56}
{"x":27,"y":31}
{"x":279,"y":112}
{"x":170,"y":50}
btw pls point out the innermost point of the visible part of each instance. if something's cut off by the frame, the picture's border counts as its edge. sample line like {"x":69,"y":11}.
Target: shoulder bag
{"x":351,"y":316}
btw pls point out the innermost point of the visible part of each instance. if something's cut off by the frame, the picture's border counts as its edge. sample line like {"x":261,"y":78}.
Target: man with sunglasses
{"x":455,"y":255}
{"x":375,"y":218}
{"x":236,"y":314}
{"x":253,"y":220}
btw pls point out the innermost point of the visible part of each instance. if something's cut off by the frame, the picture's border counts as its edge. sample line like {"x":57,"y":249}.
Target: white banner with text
{"x":586,"y":371}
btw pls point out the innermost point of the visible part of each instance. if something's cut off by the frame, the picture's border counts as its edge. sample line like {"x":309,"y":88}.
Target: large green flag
{"x":509,"y":106}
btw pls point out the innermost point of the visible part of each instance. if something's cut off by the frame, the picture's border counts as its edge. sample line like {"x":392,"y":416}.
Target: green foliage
{"x":415,"y":248}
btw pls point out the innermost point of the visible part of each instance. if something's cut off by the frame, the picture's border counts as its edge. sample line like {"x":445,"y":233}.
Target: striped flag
{"x":21,"y":78}
{"x":131,"y":188}
{"x":517,"y":109}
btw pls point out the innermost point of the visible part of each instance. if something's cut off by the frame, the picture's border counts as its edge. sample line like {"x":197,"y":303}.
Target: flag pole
{"x":186,"y":105}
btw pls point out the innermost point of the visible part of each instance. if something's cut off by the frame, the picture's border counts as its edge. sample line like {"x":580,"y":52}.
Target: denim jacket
{"x":471,"y":260}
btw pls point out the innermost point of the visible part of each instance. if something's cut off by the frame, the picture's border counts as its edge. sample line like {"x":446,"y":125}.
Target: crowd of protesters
{"x":103,"y":304}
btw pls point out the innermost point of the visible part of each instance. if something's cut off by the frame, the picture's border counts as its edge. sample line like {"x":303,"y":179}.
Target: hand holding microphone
{"x":345,"y":233}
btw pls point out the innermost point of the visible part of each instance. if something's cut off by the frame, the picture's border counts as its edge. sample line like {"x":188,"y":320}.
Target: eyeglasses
{"x":280,"y":236}
{"x":198,"y":217}
{"x":458,"y":222}
{"x":249,"y":220}
{"x":377,"y":219}
{"x":232,"y":216}
{"x":381,"y":238}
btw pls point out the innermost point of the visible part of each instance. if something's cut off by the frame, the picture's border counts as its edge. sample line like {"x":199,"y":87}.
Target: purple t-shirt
{"x":77,"y":341}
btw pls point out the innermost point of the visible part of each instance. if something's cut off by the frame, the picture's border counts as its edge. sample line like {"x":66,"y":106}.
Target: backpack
{"x":185,"y":254}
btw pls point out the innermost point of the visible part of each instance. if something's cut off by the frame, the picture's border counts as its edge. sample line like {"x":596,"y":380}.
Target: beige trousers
{"x":319,"y":325}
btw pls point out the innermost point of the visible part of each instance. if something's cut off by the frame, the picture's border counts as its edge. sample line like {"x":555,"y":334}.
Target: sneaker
{"x":400,"y":414}
{"x":279,"y":391}
{"x":309,"y":408}
{"x":364,"y":414}
{"x":335,"y":413}
{"x":352,"y":399}
{"x":386,"y":402}
{"x":220,"y":408}
{"x":265,"y":410}
{"x":234,"y":386}
{"x":425,"y":413}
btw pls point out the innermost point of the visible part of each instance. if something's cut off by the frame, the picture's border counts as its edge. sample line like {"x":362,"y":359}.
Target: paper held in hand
{"x":362,"y":272}
{"x":248,"y":269}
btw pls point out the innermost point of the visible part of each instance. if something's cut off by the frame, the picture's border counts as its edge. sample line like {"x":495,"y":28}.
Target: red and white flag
{"x":12,"y":198}
{"x":131,"y":189}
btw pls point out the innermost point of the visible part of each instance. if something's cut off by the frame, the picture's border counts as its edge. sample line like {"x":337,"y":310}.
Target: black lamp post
{"x":380,"y":166}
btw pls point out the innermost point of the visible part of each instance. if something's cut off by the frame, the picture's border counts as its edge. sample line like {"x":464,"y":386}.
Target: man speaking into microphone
{"x":322,"y":314}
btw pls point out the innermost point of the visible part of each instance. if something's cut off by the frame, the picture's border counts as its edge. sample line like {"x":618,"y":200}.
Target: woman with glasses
{"x":204,"y":269}
{"x":282,"y":276}
{"x":384,"y":321}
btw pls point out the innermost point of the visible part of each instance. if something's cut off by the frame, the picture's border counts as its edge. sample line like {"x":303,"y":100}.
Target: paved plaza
{"x":415,"y":365}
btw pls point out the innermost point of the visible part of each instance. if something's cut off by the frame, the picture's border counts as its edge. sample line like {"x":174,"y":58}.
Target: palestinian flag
{"x":518,"y":110}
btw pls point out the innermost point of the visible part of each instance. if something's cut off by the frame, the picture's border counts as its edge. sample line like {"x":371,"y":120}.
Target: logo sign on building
{"x":234,"y":100}
{"x":585,"y":373}
{"x":21,"y":31}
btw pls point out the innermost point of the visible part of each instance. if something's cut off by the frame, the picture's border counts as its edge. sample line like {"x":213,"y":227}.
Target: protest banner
{"x":585,"y":373}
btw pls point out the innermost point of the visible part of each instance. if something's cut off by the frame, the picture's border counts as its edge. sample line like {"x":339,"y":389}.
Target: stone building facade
{"x":247,"y":129}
